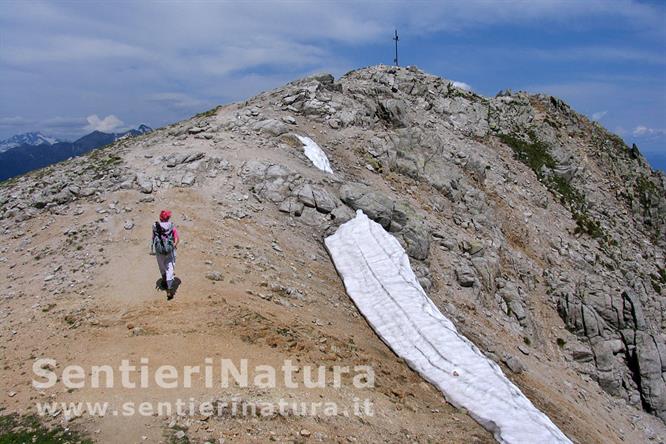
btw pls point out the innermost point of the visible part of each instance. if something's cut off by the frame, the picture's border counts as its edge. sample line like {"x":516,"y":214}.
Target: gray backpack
{"x":162,"y":239}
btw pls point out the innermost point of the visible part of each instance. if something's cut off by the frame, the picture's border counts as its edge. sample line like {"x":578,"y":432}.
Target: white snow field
{"x":316,"y":155}
{"x":378,"y":277}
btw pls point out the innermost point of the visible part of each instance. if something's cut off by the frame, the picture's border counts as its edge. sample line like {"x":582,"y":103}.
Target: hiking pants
{"x":167,"y":262}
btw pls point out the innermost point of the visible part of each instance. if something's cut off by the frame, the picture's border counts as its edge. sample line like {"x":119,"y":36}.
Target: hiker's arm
{"x":176,"y":238}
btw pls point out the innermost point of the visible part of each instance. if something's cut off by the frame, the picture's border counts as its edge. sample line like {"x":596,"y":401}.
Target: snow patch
{"x":316,"y":155}
{"x":378,"y":277}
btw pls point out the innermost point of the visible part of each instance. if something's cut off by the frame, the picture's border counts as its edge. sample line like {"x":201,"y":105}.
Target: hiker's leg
{"x":162,"y":264}
{"x":169,"y":271}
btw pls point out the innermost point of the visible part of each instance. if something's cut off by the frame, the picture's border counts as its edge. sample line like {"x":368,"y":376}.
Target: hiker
{"x":164,"y":244}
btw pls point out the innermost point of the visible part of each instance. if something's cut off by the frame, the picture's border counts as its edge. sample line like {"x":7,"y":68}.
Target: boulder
{"x":292,"y":205}
{"x":214,"y":276}
{"x":325,"y":202}
{"x":272,"y":127}
{"x":145,"y":184}
{"x":513,"y":363}
{"x":393,"y":111}
{"x":465,"y":276}
{"x":652,"y":366}
{"x":304,"y":194}
{"x":376,"y":206}
{"x":417,"y":240}
{"x":188,"y":179}
{"x":342,"y":214}
{"x":487,"y":269}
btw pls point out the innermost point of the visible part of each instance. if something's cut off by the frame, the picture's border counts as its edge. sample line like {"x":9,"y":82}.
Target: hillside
{"x":538,"y":233}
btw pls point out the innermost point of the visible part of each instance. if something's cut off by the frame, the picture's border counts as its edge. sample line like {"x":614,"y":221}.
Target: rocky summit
{"x":537,"y":232}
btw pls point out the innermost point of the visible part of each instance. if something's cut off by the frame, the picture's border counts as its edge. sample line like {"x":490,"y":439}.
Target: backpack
{"x":162,"y":239}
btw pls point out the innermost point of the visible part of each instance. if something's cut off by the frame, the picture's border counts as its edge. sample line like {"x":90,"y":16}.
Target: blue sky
{"x":67,"y":68}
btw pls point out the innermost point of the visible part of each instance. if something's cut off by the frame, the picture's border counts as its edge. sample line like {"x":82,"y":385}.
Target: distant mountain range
{"x":22,"y":153}
{"x":34,"y":139}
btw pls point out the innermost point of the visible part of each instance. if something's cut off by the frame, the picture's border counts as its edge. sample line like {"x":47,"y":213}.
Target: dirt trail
{"x":123,"y":316}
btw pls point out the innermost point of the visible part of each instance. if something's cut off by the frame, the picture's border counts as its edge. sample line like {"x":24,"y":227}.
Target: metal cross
{"x":395,"y":60}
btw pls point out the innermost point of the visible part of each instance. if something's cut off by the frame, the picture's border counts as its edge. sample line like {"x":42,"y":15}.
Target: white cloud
{"x":604,"y":53}
{"x":15,"y":121}
{"x":599,"y":115}
{"x":67,"y":49}
{"x":462,"y":85}
{"x":646,"y":131}
{"x":177,"y":100}
{"x":106,"y":125}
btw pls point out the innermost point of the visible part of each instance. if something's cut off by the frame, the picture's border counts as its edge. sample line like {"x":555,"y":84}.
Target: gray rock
{"x":291,"y":205}
{"x":652,"y":366}
{"x":465,"y":276}
{"x":188,"y":179}
{"x":393,"y":111}
{"x":487,"y":269}
{"x":417,"y":240}
{"x":145,"y":184}
{"x":582,"y":354}
{"x":305,"y":195}
{"x":214,"y":276}
{"x":513,"y":363}
{"x":325,"y":202}
{"x":272,"y":127}
{"x":342,"y":214}
{"x":376,"y":206}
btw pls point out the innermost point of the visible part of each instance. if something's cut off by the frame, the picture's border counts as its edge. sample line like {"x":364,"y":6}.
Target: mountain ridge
{"x":537,"y":232}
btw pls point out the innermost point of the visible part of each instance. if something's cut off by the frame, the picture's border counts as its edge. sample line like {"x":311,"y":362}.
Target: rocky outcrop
{"x":627,"y":356}
{"x":396,"y":217}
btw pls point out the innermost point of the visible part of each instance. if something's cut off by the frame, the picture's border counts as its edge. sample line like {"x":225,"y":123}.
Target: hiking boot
{"x":170,"y":293}
{"x":163,"y":282}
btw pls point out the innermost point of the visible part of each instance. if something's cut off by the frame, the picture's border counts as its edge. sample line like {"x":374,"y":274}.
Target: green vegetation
{"x":8,"y":182}
{"x":15,"y":429}
{"x":452,"y":91}
{"x":561,"y":342}
{"x":646,"y":190}
{"x":374,"y":163}
{"x":535,"y":154}
{"x":585,"y":224}
{"x":210,"y":112}
{"x":110,"y":160}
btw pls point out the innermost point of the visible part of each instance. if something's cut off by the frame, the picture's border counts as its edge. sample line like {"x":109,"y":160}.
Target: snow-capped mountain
{"x":32,"y":138}
{"x":139,"y":130}
{"x":25,"y":152}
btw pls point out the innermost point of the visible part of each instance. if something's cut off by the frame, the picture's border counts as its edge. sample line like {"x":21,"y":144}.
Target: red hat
{"x":165,"y":215}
